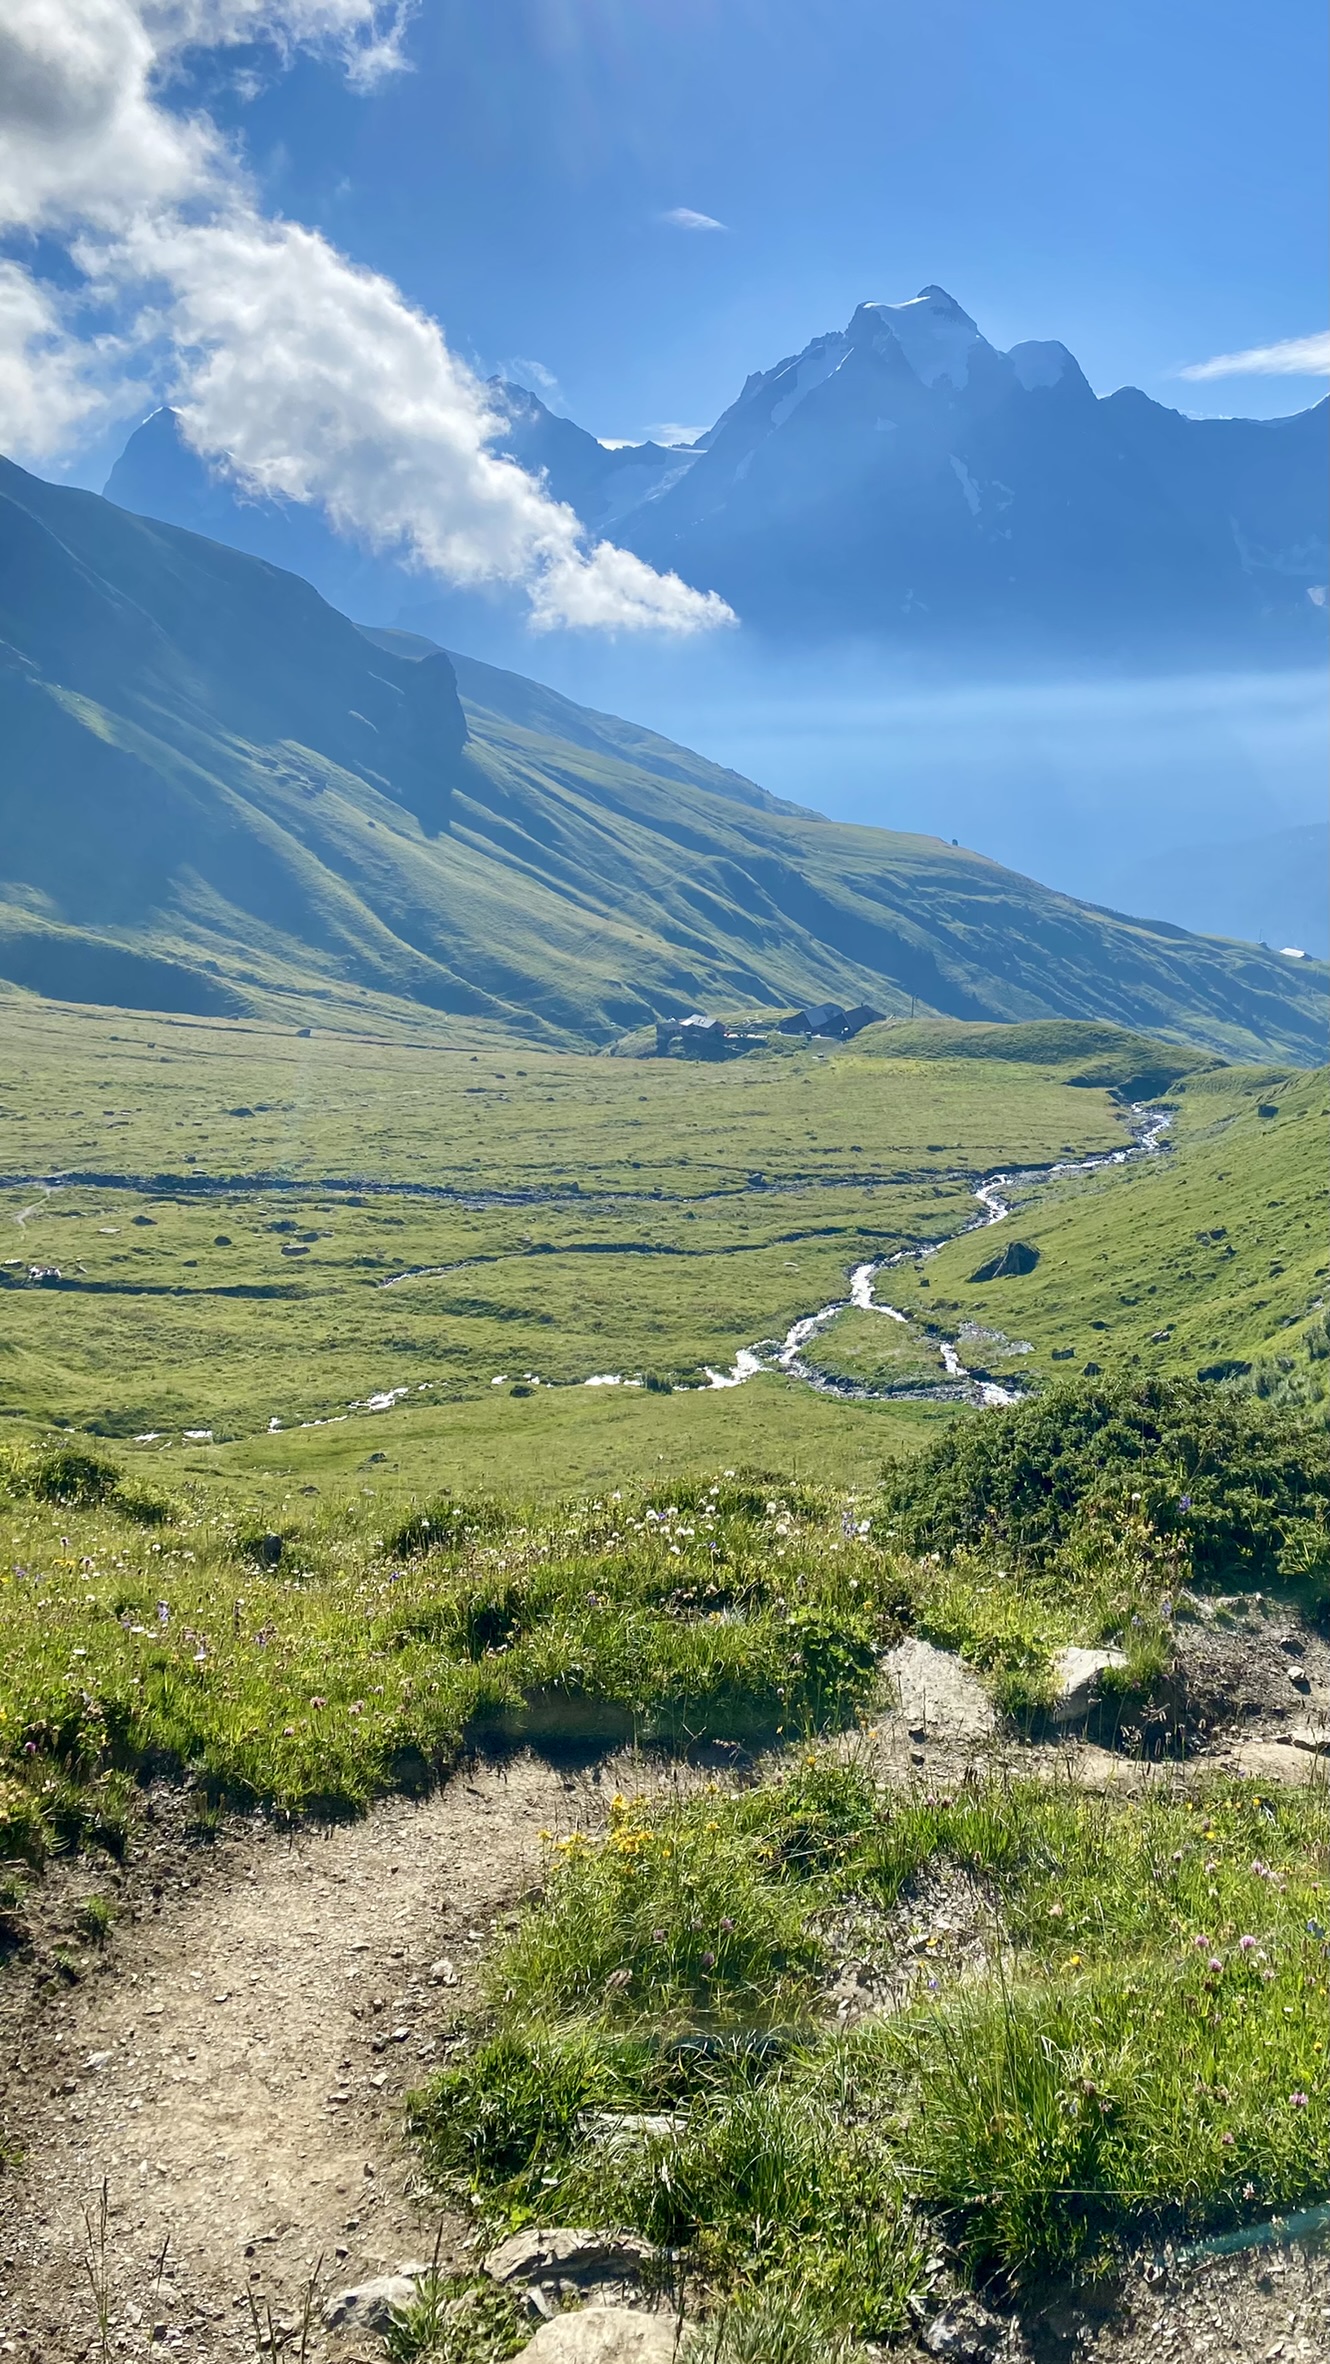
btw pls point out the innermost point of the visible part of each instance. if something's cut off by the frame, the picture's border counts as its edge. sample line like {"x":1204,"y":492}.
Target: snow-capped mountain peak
{"x":932,"y":331}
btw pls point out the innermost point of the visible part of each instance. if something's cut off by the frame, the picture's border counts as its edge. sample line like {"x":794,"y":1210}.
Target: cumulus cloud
{"x":1295,"y":357}
{"x":682,"y":217}
{"x":313,"y":378}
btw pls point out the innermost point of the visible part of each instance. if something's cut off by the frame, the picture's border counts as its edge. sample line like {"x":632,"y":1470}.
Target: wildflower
{"x":318,"y":1700}
{"x":1246,"y":1945}
{"x":1249,"y":2191}
{"x":1202,"y":1944}
{"x":727,"y":1925}
{"x":1214,"y":1963}
{"x":1226,"y":2139}
{"x":1184,"y":1502}
{"x":708,"y":1961}
{"x":1298,"y":2101}
{"x":1177,"y":1854}
{"x":658,"y":1937}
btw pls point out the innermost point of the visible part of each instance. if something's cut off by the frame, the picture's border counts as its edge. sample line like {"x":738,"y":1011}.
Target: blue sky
{"x":1145,"y":181}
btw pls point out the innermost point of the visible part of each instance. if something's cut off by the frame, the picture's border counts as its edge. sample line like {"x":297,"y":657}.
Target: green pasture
{"x":261,"y":1229}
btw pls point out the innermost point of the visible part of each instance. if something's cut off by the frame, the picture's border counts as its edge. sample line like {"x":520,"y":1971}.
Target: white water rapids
{"x":787,"y":1353}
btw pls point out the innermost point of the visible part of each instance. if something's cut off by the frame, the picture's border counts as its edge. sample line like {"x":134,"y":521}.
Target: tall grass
{"x":1140,"y":2052}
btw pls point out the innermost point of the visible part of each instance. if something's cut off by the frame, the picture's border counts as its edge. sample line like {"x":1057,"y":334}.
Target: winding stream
{"x":993,"y":1198}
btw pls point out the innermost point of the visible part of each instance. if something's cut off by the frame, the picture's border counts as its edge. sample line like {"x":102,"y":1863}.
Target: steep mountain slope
{"x":904,"y":481}
{"x":219,"y":794}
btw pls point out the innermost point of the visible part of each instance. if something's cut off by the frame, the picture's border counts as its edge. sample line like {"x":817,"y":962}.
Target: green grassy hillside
{"x":221,"y":798}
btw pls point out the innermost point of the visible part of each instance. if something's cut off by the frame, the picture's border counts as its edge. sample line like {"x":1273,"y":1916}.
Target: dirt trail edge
{"x":235,"y":2074}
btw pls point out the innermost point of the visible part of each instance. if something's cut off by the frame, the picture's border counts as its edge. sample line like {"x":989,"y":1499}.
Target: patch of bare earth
{"x":234,"y":2072}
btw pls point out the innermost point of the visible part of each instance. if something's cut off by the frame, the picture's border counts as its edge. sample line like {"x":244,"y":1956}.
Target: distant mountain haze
{"x":218,"y":794}
{"x":901,"y":481}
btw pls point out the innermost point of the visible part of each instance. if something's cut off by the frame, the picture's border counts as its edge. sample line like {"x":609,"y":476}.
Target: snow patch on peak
{"x":1040,"y":364}
{"x":932,"y":331}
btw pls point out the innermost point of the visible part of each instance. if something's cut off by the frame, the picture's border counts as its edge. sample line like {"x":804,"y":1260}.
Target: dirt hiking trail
{"x":236,"y":2075}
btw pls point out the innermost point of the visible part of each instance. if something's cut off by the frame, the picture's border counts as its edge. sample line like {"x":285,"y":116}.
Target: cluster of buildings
{"x":700,"y":1037}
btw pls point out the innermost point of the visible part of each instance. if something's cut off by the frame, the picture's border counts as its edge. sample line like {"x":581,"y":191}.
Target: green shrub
{"x":1221,"y":1475}
{"x":513,"y":2107}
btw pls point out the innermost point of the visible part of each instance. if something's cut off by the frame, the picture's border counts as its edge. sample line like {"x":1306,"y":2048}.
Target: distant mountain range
{"x":900,"y":481}
{"x":219,"y":795}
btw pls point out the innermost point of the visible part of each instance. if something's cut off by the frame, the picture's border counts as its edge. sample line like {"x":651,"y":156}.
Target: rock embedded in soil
{"x":939,"y":1696}
{"x":964,"y":2334}
{"x":370,"y":2306}
{"x":1014,"y":1261}
{"x":1076,"y":1673}
{"x":603,"y":2335}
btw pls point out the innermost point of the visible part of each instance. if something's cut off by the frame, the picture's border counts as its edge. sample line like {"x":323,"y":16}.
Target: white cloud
{"x":314,"y":377}
{"x":51,"y":378}
{"x":321,"y":383}
{"x":1296,"y":357}
{"x":682,"y":217}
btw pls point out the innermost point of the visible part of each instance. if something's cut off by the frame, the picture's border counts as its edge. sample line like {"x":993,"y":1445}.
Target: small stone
{"x":964,"y":2334}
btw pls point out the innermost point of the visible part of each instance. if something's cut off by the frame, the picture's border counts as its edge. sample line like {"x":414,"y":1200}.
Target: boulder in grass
{"x":562,"y":2263}
{"x":1011,"y":1263}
